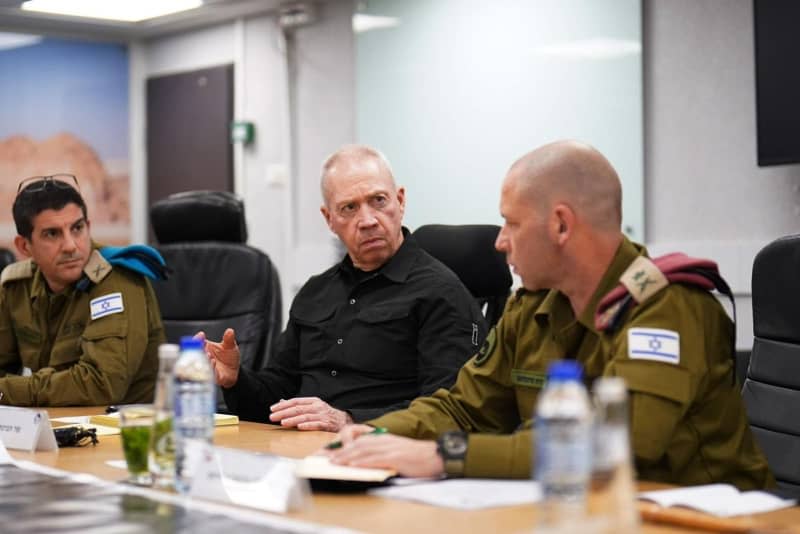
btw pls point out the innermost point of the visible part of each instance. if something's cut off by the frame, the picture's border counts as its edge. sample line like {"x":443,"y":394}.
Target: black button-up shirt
{"x":368,"y":343}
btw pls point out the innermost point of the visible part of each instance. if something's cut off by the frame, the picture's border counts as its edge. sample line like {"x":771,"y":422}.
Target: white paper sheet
{"x":722,"y":500}
{"x":465,"y":493}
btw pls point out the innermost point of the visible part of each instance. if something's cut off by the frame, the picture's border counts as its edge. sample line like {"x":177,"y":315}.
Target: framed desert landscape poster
{"x":64,"y":109}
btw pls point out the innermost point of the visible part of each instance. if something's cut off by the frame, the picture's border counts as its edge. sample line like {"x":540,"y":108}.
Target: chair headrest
{"x":776,"y":290}
{"x":199,"y":216}
{"x":469,"y":251}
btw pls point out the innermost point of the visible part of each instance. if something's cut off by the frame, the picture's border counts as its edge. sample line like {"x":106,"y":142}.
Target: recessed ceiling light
{"x":112,"y":10}
{"x":365,"y":23}
{"x":16,"y":40}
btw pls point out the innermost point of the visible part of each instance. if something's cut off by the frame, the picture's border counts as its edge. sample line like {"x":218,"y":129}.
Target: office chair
{"x":7,"y":257}
{"x":771,"y":388}
{"x":217,"y":280}
{"x":468,"y":250}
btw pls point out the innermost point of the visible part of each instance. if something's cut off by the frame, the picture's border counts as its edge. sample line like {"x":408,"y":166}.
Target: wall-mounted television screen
{"x":777,"y":54}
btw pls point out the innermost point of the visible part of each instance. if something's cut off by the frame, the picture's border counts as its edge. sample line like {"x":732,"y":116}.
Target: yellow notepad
{"x":112,"y":419}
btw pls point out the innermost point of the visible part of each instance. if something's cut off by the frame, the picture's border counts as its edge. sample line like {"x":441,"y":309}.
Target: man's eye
{"x":380,"y":200}
{"x":348,"y":208}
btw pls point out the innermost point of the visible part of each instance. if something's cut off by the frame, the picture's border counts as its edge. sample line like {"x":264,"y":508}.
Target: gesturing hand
{"x":309,"y":413}
{"x":224,"y":357}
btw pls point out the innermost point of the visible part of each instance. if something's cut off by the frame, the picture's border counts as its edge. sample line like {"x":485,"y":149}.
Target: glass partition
{"x":453,"y":91}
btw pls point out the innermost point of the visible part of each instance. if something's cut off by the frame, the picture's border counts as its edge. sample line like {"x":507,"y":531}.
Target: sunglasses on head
{"x":40,"y":183}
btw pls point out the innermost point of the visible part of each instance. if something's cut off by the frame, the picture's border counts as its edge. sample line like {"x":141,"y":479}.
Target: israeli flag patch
{"x":654,"y":344}
{"x":106,"y":305}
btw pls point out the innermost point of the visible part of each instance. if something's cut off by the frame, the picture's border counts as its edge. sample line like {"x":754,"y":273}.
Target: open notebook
{"x":722,"y":500}
{"x":112,"y":419}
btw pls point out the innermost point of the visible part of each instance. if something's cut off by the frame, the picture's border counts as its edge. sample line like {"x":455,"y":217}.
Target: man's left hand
{"x":409,"y":457}
{"x":309,"y":413}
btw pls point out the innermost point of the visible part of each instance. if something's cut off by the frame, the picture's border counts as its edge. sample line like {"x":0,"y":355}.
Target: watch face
{"x":454,"y":444}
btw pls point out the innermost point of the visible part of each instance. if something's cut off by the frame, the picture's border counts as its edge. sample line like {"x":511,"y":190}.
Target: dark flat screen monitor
{"x":777,"y":53}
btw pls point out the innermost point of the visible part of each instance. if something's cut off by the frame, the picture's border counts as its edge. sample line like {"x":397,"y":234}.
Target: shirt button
{"x":339,"y":341}
{"x":352,"y":301}
{"x":333,"y":372}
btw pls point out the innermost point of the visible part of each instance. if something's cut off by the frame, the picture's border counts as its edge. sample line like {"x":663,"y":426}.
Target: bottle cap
{"x":610,"y":388}
{"x":564,"y":370}
{"x":189,"y":343}
{"x":168,"y":350}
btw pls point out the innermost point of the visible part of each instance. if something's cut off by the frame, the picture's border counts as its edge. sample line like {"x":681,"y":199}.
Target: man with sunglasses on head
{"x":74,"y":329}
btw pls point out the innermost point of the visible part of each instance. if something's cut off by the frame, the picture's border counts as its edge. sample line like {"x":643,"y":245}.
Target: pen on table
{"x":338,"y":444}
{"x":112,"y":409}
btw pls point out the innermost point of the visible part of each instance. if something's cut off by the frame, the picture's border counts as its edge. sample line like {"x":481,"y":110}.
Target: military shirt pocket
{"x":660,"y":396}
{"x":660,"y":379}
{"x":105,"y":329}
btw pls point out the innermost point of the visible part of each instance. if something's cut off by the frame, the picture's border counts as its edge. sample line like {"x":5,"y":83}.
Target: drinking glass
{"x":135,"y":423}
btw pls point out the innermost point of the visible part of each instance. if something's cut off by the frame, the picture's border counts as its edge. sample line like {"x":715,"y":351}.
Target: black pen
{"x":112,"y":409}
{"x":338,"y":444}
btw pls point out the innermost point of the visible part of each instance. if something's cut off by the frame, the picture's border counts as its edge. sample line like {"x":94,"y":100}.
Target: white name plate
{"x":259,"y":481}
{"x":26,"y":429}
{"x":5,"y":458}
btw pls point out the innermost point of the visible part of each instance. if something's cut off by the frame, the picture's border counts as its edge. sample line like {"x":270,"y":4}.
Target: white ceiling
{"x":14,"y":19}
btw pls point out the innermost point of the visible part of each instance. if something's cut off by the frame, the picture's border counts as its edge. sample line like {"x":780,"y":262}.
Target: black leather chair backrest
{"x":7,"y":257}
{"x":771,"y":388}
{"x":217,"y":280}
{"x":468,"y":250}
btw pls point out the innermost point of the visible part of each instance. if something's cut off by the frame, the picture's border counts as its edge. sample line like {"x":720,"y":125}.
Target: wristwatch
{"x":452,"y":447}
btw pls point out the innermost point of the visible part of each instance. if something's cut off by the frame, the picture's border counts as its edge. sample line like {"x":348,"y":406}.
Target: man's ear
{"x":23,"y":246}
{"x":563,"y":223}
{"x":401,"y":199}
{"x":327,"y":215}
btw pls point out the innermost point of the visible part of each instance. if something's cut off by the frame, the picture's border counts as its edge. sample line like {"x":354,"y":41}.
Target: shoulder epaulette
{"x":18,"y":270}
{"x":97,"y":268}
{"x":644,"y":278}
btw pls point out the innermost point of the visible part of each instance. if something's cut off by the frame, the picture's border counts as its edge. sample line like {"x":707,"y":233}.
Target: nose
{"x":68,"y":244}
{"x":366,"y":218}
{"x":501,"y":243}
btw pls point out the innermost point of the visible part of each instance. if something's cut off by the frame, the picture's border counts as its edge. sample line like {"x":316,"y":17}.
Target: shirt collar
{"x":555,"y":303}
{"x":398,"y":266}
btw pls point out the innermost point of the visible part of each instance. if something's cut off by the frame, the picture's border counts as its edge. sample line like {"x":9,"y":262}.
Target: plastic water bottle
{"x":193,"y":387}
{"x":563,"y":446}
{"x":613,"y":509}
{"x":162,"y":436}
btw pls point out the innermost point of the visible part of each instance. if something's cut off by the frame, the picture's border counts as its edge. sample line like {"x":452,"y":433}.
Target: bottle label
{"x":563,"y":458}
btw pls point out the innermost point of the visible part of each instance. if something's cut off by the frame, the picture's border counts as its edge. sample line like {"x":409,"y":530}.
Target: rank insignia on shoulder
{"x":654,"y":344}
{"x":487,"y":348}
{"x":106,"y":305}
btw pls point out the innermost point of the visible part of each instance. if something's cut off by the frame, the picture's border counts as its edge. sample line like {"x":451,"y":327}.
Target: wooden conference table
{"x":356,"y":511}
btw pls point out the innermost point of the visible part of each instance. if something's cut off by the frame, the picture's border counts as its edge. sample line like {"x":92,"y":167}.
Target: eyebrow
{"x":58,"y":228}
{"x":369,"y":195}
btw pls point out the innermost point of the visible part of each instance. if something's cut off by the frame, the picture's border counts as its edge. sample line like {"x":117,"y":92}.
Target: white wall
{"x":704,"y":193}
{"x":299,"y":94}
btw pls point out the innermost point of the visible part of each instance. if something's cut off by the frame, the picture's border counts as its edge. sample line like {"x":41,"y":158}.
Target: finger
{"x":325,"y":426}
{"x":295,"y":411}
{"x":295,"y":401}
{"x":298,"y":419}
{"x":200,"y":335}
{"x":349,"y":433}
{"x":229,"y":339}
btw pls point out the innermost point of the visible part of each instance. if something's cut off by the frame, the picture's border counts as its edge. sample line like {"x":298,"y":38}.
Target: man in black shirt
{"x":387,"y":324}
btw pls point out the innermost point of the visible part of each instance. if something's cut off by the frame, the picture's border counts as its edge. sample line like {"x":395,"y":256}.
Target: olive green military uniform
{"x":92,"y":347}
{"x":688,"y":421}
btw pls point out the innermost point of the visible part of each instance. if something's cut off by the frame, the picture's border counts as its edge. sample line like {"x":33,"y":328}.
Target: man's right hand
{"x":224,"y":357}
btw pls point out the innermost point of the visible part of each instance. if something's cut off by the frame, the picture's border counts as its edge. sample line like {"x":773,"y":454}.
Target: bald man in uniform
{"x":562,"y":209}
